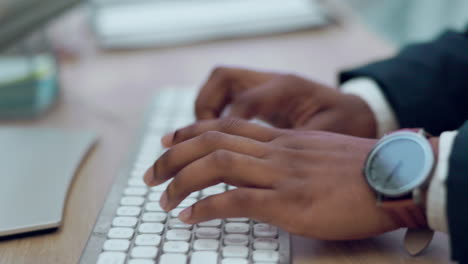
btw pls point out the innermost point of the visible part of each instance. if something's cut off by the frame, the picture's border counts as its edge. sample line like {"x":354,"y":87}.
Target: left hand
{"x":306,"y":182}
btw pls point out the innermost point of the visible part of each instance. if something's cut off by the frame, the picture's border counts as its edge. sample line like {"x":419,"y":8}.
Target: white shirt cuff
{"x":437,"y":193}
{"x":370,"y":92}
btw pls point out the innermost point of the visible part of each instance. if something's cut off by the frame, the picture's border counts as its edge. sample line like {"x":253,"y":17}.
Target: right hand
{"x":285,"y":101}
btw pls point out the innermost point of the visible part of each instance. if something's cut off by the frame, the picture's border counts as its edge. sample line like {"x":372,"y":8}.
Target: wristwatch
{"x":398,"y":169}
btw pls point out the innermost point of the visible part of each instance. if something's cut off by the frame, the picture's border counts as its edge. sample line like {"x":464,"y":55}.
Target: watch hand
{"x":387,"y":180}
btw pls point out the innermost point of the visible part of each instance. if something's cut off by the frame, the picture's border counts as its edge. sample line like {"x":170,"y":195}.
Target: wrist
{"x":365,"y":122}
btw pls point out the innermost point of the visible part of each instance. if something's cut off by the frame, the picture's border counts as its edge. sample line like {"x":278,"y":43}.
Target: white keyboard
{"x":132,"y":228}
{"x":134,"y":24}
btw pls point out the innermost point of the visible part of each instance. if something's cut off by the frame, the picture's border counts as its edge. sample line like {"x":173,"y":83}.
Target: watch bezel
{"x":416,"y":182}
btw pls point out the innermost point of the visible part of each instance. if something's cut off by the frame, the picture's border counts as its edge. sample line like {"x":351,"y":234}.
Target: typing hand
{"x":307,"y":182}
{"x":285,"y":101}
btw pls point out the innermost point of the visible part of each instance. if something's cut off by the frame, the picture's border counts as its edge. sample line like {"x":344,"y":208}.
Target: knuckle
{"x":242,"y":197}
{"x":228,"y":124}
{"x":211,"y":137}
{"x":281,"y":139}
{"x":290,"y":78}
{"x":219,"y":71}
{"x":223,"y":158}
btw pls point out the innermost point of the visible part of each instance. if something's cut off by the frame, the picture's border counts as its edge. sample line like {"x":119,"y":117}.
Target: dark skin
{"x":287,"y":175}
{"x":285,"y":101}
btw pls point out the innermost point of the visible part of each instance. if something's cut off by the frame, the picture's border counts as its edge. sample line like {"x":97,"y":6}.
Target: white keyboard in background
{"x":132,"y":228}
{"x":134,"y":24}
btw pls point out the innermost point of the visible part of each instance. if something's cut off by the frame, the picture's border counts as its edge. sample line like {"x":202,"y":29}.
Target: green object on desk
{"x":28,"y":85}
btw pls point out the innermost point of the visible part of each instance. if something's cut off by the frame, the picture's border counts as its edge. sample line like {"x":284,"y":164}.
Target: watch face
{"x":399,"y":164}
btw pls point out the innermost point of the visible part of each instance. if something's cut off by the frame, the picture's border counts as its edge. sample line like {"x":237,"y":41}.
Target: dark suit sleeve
{"x":457,"y":196}
{"x":426,"y":84}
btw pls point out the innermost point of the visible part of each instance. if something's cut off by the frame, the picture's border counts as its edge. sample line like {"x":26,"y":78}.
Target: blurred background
{"x":95,"y":65}
{"x":28,"y":70}
{"x":28,"y":67}
{"x":403,"y":21}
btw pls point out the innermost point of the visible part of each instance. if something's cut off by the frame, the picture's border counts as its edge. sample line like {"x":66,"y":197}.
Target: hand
{"x":285,"y":101}
{"x":306,"y":182}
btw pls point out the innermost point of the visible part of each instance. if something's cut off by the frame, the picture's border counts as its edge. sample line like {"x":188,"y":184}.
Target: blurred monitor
{"x":145,"y":23}
{"x":20,"y":17}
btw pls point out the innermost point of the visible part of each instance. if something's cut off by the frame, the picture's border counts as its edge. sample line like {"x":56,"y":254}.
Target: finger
{"x":231,"y":126}
{"x":219,"y":166}
{"x":324,"y":121}
{"x":250,"y":103}
{"x":215,"y":94}
{"x":243,"y":202}
{"x":188,"y":151}
{"x":274,"y":101}
{"x":223,"y":86}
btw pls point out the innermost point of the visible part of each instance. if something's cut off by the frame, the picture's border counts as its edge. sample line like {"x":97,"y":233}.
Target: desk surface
{"x":108,"y":92}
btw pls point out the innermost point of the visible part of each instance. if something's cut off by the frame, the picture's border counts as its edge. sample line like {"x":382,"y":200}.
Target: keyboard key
{"x":120,"y":233}
{"x":265,"y":243}
{"x":116,"y":245}
{"x":155,"y":196}
{"x":132,"y":201}
{"x":240,"y":228}
{"x":235,"y":252}
{"x":136,"y":182}
{"x":208,"y":232}
{"x":204,"y":257}
{"x":211,"y":223}
{"x":219,"y":186}
{"x":235,"y":261}
{"x":144,"y":252}
{"x":160,"y":188}
{"x":265,"y":230}
{"x":206,"y":245}
{"x":177,"y":224}
{"x":236,"y":240}
{"x":175,"y":212}
{"x":136,"y":191}
{"x":238,"y":219}
{"x":139,"y":170}
{"x":176,"y":247}
{"x":148,"y":240}
{"x":128,"y":211}
{"x":173,"y":259}
{"x":194,"y":195}
{"x":159,"y":217}
{"x":265,"y":256}
{"x":230,"y":187}
{"x":178,"y":234}
{"x":124,"y":221}
{"x":151,"y":228}
{"x":187,"y":202}
{"x":153,"y":207}
{"x":111,"y":258}
{"x":212,"y":191}
{"x":141,"y":261}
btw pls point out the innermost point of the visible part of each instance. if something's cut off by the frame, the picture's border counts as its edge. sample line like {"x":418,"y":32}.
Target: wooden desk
{"x":108,"y":93}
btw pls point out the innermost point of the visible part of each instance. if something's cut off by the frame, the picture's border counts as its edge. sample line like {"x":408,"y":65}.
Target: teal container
{"x":29,"y":82}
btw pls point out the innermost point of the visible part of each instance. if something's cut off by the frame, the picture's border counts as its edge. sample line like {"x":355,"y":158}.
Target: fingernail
{"x":184,"y":216}
{"x":163,"y":201}
{"x":167,"y":140}
{"x":149,"y":176}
